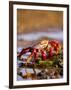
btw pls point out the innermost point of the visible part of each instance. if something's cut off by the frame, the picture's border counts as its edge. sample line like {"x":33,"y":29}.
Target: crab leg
{"x":24,"y":51}
{"x":36,"y":55}
{"x":30,"y":57}
{"x":43,"y":55}
{"x":51,"y":52}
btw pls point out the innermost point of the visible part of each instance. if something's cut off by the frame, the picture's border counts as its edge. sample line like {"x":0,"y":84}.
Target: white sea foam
{"x":37,"y":35}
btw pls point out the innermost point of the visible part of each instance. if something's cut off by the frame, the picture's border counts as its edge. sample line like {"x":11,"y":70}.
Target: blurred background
{"x":36,"y":25}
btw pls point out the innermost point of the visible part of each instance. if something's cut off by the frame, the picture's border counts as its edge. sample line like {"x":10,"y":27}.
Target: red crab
{"x":41,"y":50}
